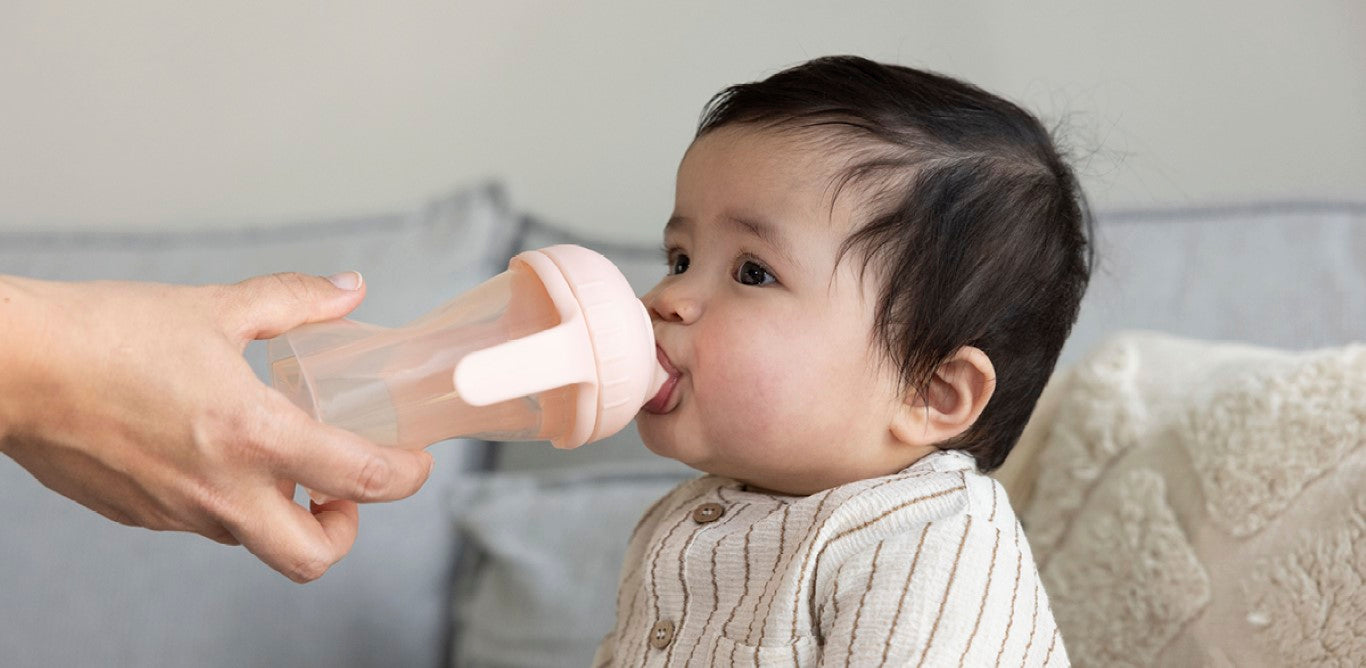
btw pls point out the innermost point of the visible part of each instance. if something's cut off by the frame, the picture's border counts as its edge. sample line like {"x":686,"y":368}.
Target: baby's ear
{"x":957,"y":394}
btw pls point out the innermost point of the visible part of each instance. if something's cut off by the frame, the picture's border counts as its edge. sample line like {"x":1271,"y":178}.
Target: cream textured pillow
{"x":1202,"y":503}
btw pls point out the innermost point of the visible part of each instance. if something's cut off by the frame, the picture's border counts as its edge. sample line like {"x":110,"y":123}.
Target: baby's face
{"x":778,"y":380}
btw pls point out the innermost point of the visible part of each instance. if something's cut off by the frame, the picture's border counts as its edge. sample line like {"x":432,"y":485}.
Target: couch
{"x":508,"y":557}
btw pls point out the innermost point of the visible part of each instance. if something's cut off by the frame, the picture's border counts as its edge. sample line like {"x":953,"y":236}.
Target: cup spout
{"x":657,"y":380}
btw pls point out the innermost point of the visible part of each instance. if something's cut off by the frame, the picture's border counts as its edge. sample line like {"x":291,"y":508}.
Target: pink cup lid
{"x":600,"y":313}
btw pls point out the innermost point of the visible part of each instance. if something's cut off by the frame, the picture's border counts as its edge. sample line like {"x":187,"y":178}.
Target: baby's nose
{"x":674,"y":302}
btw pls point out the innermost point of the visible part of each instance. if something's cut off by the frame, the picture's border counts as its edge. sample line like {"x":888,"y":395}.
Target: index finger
{"x":298,"y":543}
{"x":342,"y":465}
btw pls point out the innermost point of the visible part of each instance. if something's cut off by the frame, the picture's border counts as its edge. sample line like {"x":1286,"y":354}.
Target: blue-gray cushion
{"x":1287,"y":275}
{"x":76,"y":589}
{"x":539,"y":585}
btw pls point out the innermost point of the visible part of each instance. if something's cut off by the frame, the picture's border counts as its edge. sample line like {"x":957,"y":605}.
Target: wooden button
{"x":708,"y":512}
{"x":662,"y":634}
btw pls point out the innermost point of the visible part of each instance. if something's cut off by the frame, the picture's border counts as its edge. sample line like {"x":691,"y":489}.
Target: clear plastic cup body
{"x":396,"y":386}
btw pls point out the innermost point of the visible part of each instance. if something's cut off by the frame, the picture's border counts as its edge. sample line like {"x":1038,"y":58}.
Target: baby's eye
{"x":678,"y":263}
{"x":752,"y":273}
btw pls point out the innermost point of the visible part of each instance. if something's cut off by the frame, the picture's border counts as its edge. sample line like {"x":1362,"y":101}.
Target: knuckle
{"x":220,"y":534}
{"x":306,"y":567}
{"x":118,"y":516}
{"x":219,"y":293}
{"x":374,"y":478}
{"x":243,"y":432}
{"x":293,"y":284}
{"x":225,"y":302}
{"x":159,"y":518}
{"x":208,"y":510}
{"x":215,"y":506}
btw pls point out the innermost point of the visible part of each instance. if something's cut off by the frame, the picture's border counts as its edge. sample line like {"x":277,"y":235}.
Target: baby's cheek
{"x":751,"y":384}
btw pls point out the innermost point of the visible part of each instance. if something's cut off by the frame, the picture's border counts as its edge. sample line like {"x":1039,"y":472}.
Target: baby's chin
{"x":694,"y":457}
{"x":658,"y":441}
{"x":661,"y":440}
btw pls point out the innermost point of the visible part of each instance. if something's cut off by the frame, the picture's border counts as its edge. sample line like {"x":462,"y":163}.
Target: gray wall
{"x":196,"y":113}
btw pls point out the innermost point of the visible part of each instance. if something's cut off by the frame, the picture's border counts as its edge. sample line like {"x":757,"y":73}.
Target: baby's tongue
{"x":663,"y":385}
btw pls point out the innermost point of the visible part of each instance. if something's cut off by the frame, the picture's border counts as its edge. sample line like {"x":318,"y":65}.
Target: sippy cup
{"x":556,"y":348}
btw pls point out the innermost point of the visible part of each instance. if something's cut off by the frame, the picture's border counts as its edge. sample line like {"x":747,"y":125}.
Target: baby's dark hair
{"x":971,"y":213}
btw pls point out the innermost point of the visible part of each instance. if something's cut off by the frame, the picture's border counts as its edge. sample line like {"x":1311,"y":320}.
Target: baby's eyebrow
{"x":677,"y":223}
{"x":766,"y":231}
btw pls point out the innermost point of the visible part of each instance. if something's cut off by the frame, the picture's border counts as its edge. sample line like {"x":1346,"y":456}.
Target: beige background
{"x":184,"y":114}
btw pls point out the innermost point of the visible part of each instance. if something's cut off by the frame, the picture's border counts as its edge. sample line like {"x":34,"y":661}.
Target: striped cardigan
{"x":927,"y":567}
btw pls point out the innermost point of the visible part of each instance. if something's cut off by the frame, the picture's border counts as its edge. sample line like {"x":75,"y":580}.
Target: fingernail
{"x":347,"y":280}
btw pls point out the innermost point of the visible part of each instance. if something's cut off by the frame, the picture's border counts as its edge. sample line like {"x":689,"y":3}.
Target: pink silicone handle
{"x":529,"y":365}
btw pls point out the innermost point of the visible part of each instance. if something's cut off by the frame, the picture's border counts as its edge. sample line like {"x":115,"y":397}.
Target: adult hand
{"x":134,"y":400}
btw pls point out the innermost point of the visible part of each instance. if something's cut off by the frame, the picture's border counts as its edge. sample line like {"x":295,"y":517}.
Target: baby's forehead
{"x":820,"y":149}
{"x":761,"y":171}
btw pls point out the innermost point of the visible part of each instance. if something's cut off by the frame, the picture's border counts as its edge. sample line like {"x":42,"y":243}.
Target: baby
{"x":871,"y":272}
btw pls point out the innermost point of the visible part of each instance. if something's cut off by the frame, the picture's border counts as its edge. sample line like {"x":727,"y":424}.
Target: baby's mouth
{"x":661,"y":402}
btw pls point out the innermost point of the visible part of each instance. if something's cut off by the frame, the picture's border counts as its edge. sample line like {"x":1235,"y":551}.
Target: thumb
{"x":271,"y":305}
